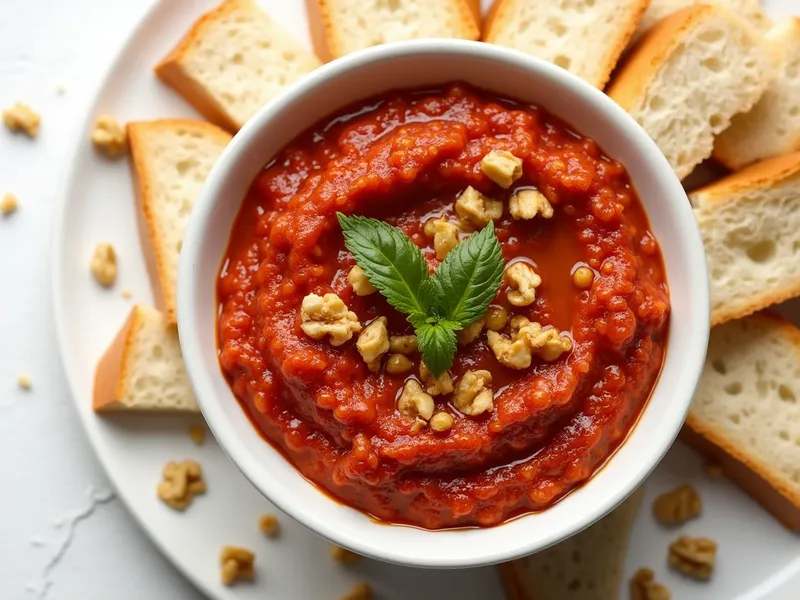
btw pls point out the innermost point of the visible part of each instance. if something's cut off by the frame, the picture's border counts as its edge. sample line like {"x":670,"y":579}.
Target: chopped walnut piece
{"x":398,"y":363}
{"x":693,"y":556}
{"x":441,"y":421}
{"x":373,"y":342}
{"x":403,"y":344}
{"x":198,"y":434}
{"x":444,"y":234}
{"x":527,"y":339}
{"x":361,"y":284}
{"x":343,"y":555}
{"x":237,"y":564}
{"x":182,"y":482}
{"x":413,"y":402}
{"x":476,"y":209}
{"x":22,"y":118}
{"x":644,"y":586}
{"x":8,"y":204}
{"x":268,"y":525}
{"x":502,"y":167}
{"x":473,"y":394}
{"x":328,"y":315}
{"x":526,"y":204}
{"x":678,"y":506}
{"x":523,"y":281}
{"x":433,"y":385}
{"x":24,"y":382}
{"x":104,"y":264}
{"x":109,"y":136}
{"x":470,"y":333}
{"x":360,"y":591}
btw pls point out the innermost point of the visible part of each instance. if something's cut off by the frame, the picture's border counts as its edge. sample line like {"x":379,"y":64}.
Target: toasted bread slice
{"x":587,"y":566}
{"x":143,"y":368}
{"x":233,"y":61}
{"x":750,"y":223}
{"x":585,"y":37}
{"x":342,"y":26}
{"x":746,"y":414}
{"x":750,"y":10}
{"x":772,"y":127}
{"x":689,"y":76}
{"x":171,"y":159}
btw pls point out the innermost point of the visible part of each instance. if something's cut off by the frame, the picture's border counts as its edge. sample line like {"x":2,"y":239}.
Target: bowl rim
{"x":201,"y":379}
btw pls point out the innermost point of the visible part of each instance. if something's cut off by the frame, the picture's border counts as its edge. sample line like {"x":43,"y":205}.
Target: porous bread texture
{"x":750,"y":225}
{"x":171,"y":160}
{"x":748,"y":400}
{"x":660,"y":9}
{"x":687,"y":79}
{"x":595,"y":558}
{"x":350,"y":25}
{"x":772,"y":127}
{"x":143,"y":368}
{"x":233,"y":61}
{"x":585,"y":37}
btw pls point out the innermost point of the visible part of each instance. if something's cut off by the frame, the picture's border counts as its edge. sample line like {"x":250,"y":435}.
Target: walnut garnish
{"x":444,"y":234}
{"x":182,"y":482}
{"x":373,"y":342}
{"x":435,"y":385}
{"x":343,"y":555}
{"x":268,"y":525}
{"x":470,"y":333}
{"x":415,"y":403}
{"x":644,"y":586}
{"x":523,"y":281}
{"x":361,"y":284}
{"x":328,"y":316}
{"x":476,"y":209}
{"x":678,"y":506}
{"x":502,"y":167}
{"x":693,"y":557}
{"x":104,"y":264}
{"x":109,"y":136}
{"x":473,"y":394}
{"x":526,"y":340}
{"x":398,"y":363}
{"x":526,"y":204}
{"x":237,"y":564}
{"x":22,"y":118}
{"x":403,"y":344}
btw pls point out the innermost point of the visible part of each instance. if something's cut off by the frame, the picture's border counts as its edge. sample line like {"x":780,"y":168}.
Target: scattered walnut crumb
{"x":8,"y":204}
{"x":435,"y":386}
{"x":127,"y":294}
{"x":415,"y":403}
{"x":109,"y":136}
{"x":360,"y":282}
{"x":268,"y":525}
{"x":678,"y":506}
{"x":343,"y":555}
{"x":360,"y":591}
{"x":644,"y":586}
{"x":373,"y":343}
{"x":693,"y":557}
{"x":24,"y":382}
{"x":237,"y":564}
{"x":198,"y":434}
{"x":22,"y":118}
{"x":712,"y":470}
{"x":104,"y":264}
{"x":328,"y":315}
{"x":473,"y":394}
{"x":502,"y":167}
{"x":522,"y":281}
{"x":182,"y":482}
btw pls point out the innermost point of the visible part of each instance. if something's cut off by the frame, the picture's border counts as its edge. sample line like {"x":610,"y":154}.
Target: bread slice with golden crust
{"x":232,"y":61}
{"x":750,"y":224}
{"x":585,"y":37}
{"x":170,"y":159}
{"x":587,"y":566}
{"x":689,"y":76}
{"x":340,"y":27}
{"x":746,"y":415}
{"x":142,"y":369}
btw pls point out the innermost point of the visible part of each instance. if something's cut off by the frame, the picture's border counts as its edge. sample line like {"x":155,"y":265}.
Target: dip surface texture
{"x":404,"y":158}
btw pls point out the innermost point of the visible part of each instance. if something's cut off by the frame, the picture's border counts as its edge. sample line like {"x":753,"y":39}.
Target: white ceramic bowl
{"x":507,"y":73}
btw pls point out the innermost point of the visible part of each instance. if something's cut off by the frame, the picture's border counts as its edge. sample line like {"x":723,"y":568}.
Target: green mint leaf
{"x":391,"y":262}
{"x":438,"y":346}
{"x":468,"y":279}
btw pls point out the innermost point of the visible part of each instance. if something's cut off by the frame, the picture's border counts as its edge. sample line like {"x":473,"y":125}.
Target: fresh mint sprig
{"x":438,"y":306}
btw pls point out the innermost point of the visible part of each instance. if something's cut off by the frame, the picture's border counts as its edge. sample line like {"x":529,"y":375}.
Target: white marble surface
{"x":63,"y":535}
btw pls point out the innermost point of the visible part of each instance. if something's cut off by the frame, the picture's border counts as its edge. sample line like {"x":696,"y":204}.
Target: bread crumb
{"x":678,"y":506}
{"x":127,"y":294}
{"x":343,"y":555}
{"x":644,"y":586}
{"x":693,"y":557}
{"x":198,"y":434}
{"x":712,"y":470}
{"x":237,"y":564}
{"x":104,"y":264}
{"x":360,"y":591}
{"x":8,"y":204}
{"x":182,"y":482}
{"x":22,"y":118}
{"x":24,"y":382}
{"x":109,"y":137}
{"x":268,"y":525}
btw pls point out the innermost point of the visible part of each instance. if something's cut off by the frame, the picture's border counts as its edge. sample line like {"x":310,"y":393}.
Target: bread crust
{"x":111,"y":371}
{"x":152,"y":245}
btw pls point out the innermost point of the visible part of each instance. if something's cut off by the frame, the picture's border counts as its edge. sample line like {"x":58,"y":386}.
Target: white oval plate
{"x":757,"y":557}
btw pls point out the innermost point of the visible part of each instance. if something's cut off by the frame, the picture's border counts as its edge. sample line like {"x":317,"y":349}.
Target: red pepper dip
{"x":408,"y":157}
